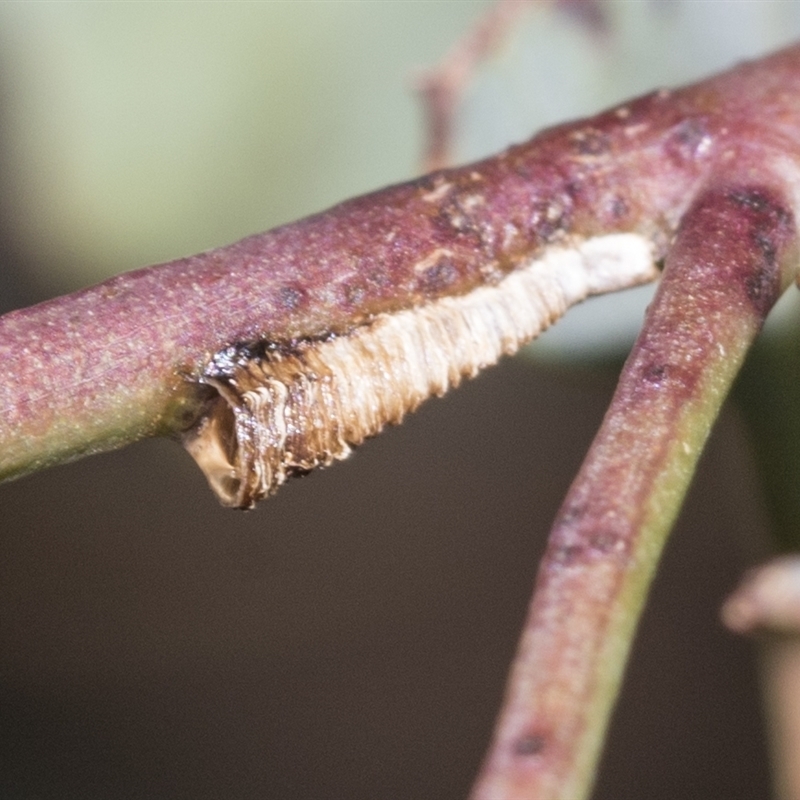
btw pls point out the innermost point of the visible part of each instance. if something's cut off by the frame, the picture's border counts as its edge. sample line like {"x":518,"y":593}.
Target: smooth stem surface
{"x":734,"y":252}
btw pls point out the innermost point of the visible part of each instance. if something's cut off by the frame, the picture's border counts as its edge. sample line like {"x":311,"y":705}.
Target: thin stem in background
{"x":442,"y":87}
{"x":767,"y":605}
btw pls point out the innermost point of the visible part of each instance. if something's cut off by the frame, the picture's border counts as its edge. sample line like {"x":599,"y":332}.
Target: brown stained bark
{"x":735,"y":251}
{"x":121,"y":360}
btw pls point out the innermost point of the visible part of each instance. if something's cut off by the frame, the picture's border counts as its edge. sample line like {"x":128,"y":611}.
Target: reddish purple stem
{"x":119,"y":361}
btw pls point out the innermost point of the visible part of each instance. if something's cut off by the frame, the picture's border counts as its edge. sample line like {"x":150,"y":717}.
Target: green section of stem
{"x":661,"y":510}
{"x":119,"y":418}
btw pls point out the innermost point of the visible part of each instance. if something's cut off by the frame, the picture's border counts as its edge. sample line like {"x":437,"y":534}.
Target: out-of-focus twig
{"x":767,"y":604}
{"x":441,"y":87}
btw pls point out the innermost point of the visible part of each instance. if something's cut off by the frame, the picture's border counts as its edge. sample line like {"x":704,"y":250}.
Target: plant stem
{"x":779,"y":667}
{"x":123,"y":360}
{"x":767,"y":603}
{"x":734,"y":253}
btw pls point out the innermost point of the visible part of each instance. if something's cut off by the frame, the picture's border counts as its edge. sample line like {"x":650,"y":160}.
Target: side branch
{"x":735,"y":251}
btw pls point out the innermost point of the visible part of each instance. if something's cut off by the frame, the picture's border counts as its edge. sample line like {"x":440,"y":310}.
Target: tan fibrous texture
{"x":281,"y":410}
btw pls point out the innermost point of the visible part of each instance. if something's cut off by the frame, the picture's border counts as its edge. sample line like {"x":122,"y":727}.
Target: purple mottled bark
{"x":119,"y":361}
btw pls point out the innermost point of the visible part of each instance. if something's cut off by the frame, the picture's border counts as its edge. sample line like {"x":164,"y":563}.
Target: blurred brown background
{"x":349,"y":638}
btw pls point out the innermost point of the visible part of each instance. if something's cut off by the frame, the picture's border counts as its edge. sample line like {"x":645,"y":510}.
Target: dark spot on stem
{"x":290,"y":297}
{"x":580,"y":535}
{"x":688,"y":140}
{"x":453,"y":216}
{"x":751,"y":199}
{"x":439,"y":277}
{"x":590,"y":142}
{"x":655,"y":373}
{"x":619,"y":208}
{"x":353,"y":294}
{"x":567,"y":554}
{"x":590,"y":545}
{"x":550,"y":219}
{"x":766,"y":246}
{"x":771,"y":226}
{"x":574,"y":188}
{"x":761,"y":287}
{"x":531,"y":744}
{"x":572,"y":513}
{"x":463,"y":212}
{"x":429,"y":183}
{"x":380,"y":278}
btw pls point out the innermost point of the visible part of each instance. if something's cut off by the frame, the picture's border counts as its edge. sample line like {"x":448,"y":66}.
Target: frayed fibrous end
{"x":282,"y":409}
